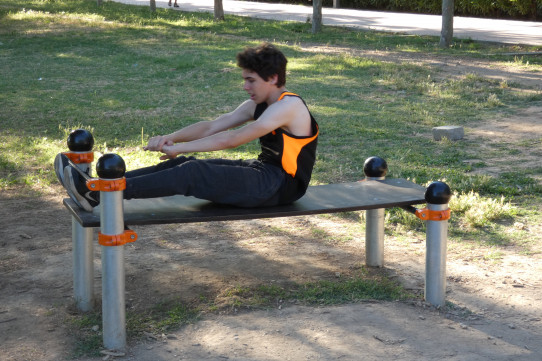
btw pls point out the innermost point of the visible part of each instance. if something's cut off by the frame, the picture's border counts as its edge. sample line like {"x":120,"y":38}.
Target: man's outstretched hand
{"x":156,"y":144}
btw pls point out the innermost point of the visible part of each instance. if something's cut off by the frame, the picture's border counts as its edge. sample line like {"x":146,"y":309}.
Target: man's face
{"x":258,"y":88}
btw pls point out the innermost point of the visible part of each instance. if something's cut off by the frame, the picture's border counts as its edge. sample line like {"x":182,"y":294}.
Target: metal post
{"x":435,"y":258}
{"x":80,"y":143}
{"x":83,"y":266}
{"x":113,"y":302}
{"x":110,"y":169}
{"x":374,"y":237}
{"x":83,"y":260}
{"x":437,"y":195}
{"x":375,"y":168}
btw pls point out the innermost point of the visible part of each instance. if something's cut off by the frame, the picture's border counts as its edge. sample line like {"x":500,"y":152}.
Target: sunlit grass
{"x":128,"y":74}
{"x":477,"y":211}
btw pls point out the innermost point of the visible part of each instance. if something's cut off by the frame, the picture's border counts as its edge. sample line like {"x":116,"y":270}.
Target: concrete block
{"x":451,"y":132}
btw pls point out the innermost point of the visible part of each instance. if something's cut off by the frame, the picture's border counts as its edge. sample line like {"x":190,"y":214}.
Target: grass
{"x":127,"y":74}
{"x":86,"y":330}
{"x":82,"y":65}
{"x":362,"y":286}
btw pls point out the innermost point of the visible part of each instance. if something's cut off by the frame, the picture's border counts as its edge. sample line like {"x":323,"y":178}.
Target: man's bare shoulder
{"x":288,"y":104}
{"x":293,"y":115}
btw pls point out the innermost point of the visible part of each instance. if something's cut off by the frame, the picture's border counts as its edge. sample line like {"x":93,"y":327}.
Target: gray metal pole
{"x":80,"y":143}
{"x":83,"y":266}
{"x":374,"y":237}
{"x":113,"y":287}
{"x":83,"y":260}
{"x":435,"y":258}
{"x":110,"y":167}
{"x":375,"y":168}
{"x":437,"y":195}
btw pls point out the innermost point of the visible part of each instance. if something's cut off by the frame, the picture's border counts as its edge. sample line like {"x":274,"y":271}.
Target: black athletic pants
{"x":241,"y":183}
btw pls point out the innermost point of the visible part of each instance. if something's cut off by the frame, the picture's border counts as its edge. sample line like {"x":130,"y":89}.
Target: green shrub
{"x":477,"y":211}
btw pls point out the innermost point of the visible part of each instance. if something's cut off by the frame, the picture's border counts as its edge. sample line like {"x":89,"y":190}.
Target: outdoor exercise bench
{"x":372,"y":195}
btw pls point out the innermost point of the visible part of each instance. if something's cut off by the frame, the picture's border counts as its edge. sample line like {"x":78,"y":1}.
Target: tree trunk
{"x":337,"y":4}
{"x":447,"y":32}
{"x":219,"y":10}
{"x":316,"y":16}
{"x":153,"y":5}
{"x":99,"y":2}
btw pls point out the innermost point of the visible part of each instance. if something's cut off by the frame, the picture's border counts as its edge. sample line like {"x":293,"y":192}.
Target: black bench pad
{"x":329,"y":198}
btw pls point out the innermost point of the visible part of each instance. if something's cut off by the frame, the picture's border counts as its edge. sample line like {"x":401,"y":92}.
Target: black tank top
{"x":295,"y":155}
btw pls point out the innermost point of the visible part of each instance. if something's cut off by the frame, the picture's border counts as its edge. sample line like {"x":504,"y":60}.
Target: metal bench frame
{"x":373,"y":195}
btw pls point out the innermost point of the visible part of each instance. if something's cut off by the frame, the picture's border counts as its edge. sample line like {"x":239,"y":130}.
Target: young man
{"x":281,"y":120}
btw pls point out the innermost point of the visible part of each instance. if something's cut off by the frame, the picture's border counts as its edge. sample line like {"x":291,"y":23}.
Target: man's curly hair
{"x":265,"y":60}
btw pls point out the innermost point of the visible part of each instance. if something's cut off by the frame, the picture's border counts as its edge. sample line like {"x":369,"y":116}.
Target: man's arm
{"x":289,"y":113}
{"x":240,"y":115}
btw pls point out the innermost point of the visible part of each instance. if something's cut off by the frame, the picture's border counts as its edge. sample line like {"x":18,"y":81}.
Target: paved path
{"x":503,"y":31}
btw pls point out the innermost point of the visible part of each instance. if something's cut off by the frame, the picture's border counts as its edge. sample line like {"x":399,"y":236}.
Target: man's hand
{"x":156,"y":144}
{"x":169,"y":152}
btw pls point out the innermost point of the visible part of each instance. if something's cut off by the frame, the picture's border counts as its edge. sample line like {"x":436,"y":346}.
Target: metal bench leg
{"x":113,"y":286}
{"x":113,"y":299}
{"x":112,"y":238}
{"x":80,"y":143}
{"x":83,"y":266}
{"x":435,"y":258}
{"x":438,"y":194}
{"x":374,"y":237}
{"x":375,"y":168}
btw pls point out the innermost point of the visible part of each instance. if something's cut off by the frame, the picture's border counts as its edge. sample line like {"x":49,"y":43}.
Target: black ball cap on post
{"x":80,"y":140}
{"x":438,"y":193}
{"x":375,"y":167}
{"x":110,"y":166}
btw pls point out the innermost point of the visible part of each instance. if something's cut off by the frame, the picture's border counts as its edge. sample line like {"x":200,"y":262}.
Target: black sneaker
{"x":61,"y":162}
{"x":76,"y":186}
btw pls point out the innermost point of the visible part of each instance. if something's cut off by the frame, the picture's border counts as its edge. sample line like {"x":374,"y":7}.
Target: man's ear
{"x":273,"y":79}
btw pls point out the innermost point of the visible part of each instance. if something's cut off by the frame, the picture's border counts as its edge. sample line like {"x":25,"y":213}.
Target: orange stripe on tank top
{"x":290,"y":153}
{"x":286,"y":93}
{"x":292,"y":147}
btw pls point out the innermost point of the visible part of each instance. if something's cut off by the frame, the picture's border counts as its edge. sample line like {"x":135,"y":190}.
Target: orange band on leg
{"x":117,"y":239}
{"x":106,"y":185}
{"x":431,"y":215}
{"x":78,"y":158}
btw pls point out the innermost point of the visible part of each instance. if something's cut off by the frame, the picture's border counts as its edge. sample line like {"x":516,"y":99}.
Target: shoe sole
{"x":61,"y":162}
{"x":72,"y":195}
{"x":72,"y":191}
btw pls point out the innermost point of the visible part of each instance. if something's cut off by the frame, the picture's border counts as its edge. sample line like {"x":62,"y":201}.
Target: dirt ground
{"x":498,"y":304}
